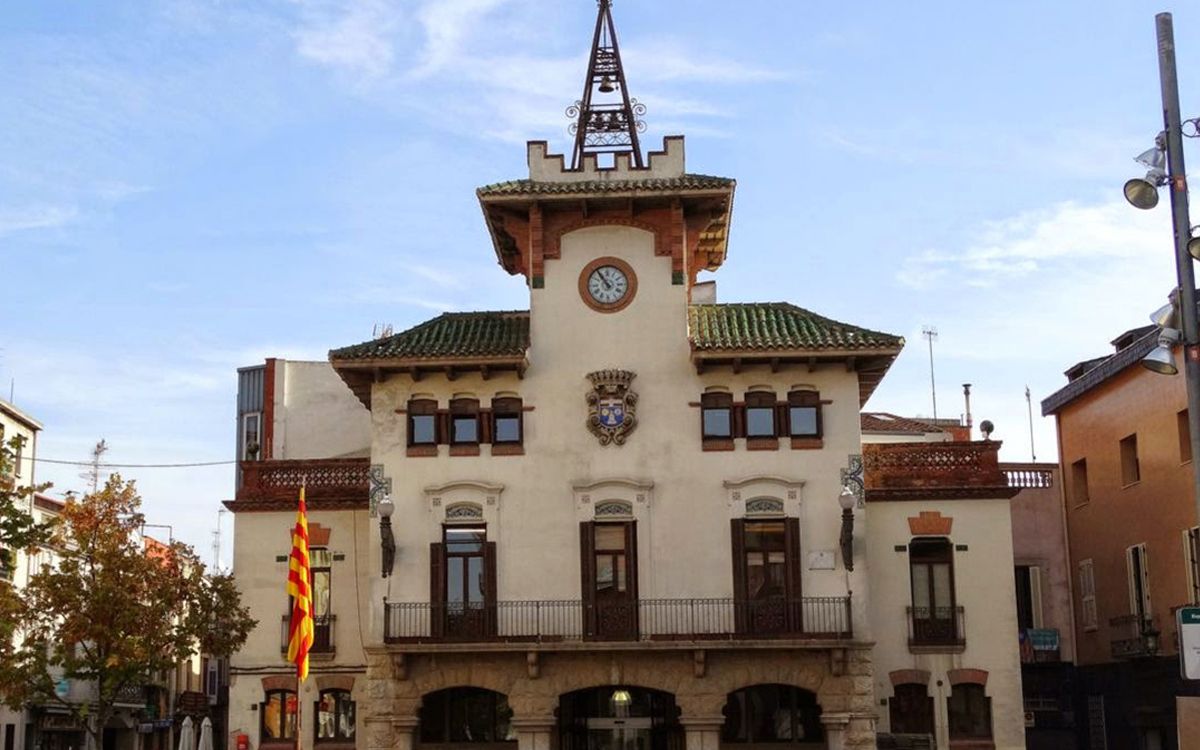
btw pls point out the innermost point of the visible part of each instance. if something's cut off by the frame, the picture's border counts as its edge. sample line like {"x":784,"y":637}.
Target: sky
{"x":190,"y":186}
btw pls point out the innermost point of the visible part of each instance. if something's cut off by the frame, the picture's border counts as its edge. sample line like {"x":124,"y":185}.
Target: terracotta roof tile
{"x":530,"y":187}
{"x":777,"y":325}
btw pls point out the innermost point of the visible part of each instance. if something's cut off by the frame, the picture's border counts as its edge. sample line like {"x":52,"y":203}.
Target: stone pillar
{"x":836,"y":725}
{"x":702,"y":732}
{"x":534,"y":733}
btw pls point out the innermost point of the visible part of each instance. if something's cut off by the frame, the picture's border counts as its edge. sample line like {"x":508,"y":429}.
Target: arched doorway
{"x":772,"y":714}
{"x":617,"y":717}
{"x":466,"y":715}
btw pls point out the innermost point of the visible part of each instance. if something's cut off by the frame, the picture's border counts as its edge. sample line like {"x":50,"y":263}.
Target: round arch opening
{"x":619,"y":717}
{"x":772,"y":715}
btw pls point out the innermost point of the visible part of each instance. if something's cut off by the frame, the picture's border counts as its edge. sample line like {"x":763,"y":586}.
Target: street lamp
{"x":847,"y":500}
{"x":387,"y":541}
{"x":1143,"y":194}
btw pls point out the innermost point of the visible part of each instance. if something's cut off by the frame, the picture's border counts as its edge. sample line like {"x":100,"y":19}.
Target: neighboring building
{"x":883,"y":427}
{"x":1133,"y":538}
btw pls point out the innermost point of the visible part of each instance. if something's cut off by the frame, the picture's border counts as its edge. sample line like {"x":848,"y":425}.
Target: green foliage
{"x":114,"y":613}
{"x":18,"y":530}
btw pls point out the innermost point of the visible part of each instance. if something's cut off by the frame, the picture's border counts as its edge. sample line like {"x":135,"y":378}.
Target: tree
{"x":112,"y":614}
{"x":18,"y":530}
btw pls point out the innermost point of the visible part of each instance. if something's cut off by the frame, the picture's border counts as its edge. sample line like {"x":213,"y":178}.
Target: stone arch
{"x":436,"y":711}
{"x":802,"y":708}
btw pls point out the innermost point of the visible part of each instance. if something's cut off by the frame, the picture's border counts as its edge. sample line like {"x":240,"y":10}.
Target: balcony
{"x":1134,"y":637}
{"x":323,"y":634}
{"x":1039,"y":645}
{"x":570,"y":621}
{"x":952,"y":470}
{"x":1028,"y":476}
{"x":330,"y":484}
{"x":936,"y":629}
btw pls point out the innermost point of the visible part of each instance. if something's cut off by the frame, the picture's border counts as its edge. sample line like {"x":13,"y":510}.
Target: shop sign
{"x":1188,"y":621}
{"x":60,"y":723}
{"x":146,"y":727}
{"x":162,"y":723}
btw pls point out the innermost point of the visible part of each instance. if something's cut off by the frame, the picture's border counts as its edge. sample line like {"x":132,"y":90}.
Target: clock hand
{"x":607,"y":283}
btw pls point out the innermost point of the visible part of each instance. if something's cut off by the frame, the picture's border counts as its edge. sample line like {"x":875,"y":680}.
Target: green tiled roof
{"x":761,"y":326}
{"x":528,"y":187}
{"x":777,"y":325}
{"x":450,"y":336}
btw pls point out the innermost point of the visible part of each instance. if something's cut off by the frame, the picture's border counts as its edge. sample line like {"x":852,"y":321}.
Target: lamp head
{"x":1152,"y":158}
{"x":847,"y":499}
{"x":1142,"y":193}
{"x":386,"y":507}
{"x":1166,"y":316}
{"x":1161,"y":359}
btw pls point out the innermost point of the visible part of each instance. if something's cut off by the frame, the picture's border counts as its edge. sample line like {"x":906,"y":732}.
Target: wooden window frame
{"x":804,"y":399}
{"x":793,"y":577}
{"x":894,"y":703}
{"x":506,"y":407}
{"x":765,"y":400}
{"x":1191,"y":561}
{"x":467,"y":410}
{"x":1137,"y":570}
{"x":713,"y":401}
{"x":338,"y":738}
{"x":439,"y":563}
{"x":588,"y":552}
{"x":285,"y":740}
{"x":423,"y":407}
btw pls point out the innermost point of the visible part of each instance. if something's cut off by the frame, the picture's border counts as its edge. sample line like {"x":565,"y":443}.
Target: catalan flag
{"x":300,"y":629}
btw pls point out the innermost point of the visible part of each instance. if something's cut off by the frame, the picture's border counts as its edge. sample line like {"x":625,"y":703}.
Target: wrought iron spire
{"x":606,"y":127}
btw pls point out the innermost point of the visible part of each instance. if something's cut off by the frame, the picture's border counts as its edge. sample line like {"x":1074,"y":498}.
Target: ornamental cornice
{"x":737,"y":484}
{"x":640,"y":485}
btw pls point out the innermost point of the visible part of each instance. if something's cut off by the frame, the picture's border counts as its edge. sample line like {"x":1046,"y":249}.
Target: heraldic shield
{"x":612,"y":405}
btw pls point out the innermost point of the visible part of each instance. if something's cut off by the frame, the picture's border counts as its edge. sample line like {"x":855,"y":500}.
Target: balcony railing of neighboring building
{"x":330,"y":483}
{"x":940,"y":628}
{"x":1029,"y":476}
{"x":951,"y":470}
{"x":1134,"y":636}
{"x":130,"y":696}
{"x":323,"y":634}
{"x":807,"y":618}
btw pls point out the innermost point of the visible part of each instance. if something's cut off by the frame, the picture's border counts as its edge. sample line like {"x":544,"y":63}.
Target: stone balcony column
{"x":535,"y":732}
{"x":836,"y":725}
{"x":702,"y":732}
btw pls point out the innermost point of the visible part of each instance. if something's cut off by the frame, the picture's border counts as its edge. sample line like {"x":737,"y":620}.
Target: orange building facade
{"x":1131,"y":528}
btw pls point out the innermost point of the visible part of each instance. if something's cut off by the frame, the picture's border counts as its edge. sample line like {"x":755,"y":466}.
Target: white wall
{"x":316,"y":415}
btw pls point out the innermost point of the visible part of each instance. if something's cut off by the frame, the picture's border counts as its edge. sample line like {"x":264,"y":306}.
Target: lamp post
{"x":847,"y":500}
{"x":1139,"y":193}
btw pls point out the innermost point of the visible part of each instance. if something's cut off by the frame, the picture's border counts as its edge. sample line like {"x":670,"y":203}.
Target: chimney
{"x":704,"y":293}
{"x":967,"y":400}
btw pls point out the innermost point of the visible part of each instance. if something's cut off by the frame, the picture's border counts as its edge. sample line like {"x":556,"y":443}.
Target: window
{"x":804,"y":414}
{"x":1130,"y":472}
{"x":931,"y":571}
{"x":910,"y":709}
{"x":464,"y":421}
{"x":278,"y":716}
{"x":1138,"y":569}
{"x":335,"y":716}
{"x":772,"y":713}
{"x":422,"y":422}
{"x":1079,"y":482}
{"x":766,"y":560}
{"x":466,"y":714}
{"x":766,"y":575}
{"x":251,"y":436}
{"x":1184,"y":428}
{"x":716,"y":414}
{"x":18,"y":454}
{"x":969,"y":712}
{"x":463,"y":583}
{"x":1191,"y":558}
{"x":609,"y":573}
{"x":465,"y":586}
{"x":507,"y":420}
{"x":760,"y":415}
{"x":322,"y":578}
{"x":1029,"y":596}
{"x":1087,"y":595}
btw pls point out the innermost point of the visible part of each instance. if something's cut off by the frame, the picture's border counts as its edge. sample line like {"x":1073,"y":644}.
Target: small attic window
{"x":1124,"y":340}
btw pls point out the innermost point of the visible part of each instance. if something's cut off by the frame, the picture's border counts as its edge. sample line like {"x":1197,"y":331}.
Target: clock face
{"x":607,"y":285}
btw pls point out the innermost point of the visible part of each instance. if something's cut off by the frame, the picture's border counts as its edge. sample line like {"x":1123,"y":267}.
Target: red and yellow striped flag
{"x":300,"y":629}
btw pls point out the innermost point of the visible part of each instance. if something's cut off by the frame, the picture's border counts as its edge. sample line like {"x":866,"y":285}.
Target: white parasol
{"x":206,"y":741}
{"x":187,"y":735}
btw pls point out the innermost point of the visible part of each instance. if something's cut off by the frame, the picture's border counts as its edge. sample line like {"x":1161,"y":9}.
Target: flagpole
{"x":299,"y":669}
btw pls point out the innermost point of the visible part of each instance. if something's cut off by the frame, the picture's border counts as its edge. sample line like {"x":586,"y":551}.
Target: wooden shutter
{"x":587,"y":569}
{"x":490,"y":591}
{"x":437,"y":589}
{"x":737,"y":538}
{"x":783,"y":424}
{"x":631,"y":572}
{"x":738,"y":418}
{"x":791,"y":543}
{"x":1087,"y":596}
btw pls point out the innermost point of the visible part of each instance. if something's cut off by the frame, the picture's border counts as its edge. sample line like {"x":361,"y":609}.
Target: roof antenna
{"x":930,"y":333}
{"x":1029,"y":406}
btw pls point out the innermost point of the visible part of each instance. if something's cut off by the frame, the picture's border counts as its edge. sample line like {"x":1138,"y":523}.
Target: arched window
{"x":466,"y":714}
{"x":278,"y":716}
{"x":970,"y":712}
{"x":772,"y":713}
{"x":911,"y":709}
{"x":335,"y":716}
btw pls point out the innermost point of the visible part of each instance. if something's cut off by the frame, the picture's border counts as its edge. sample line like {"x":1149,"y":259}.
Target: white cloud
{"x":355,"y":36}
{"x":35,"y":217}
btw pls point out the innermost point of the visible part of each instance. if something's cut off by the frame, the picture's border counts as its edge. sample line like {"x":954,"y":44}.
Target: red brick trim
{"x":807,"y":444}
{"x":318,"y":535}
{"x":930,"y":523}
{"x":968,"y":676}
{"x":718,"y":445}
{"x":909,"y":677}
{"x":421,"y":451}
{"x":508,"y":449}
{"x":335,"y":682}
{"x":464,"y":450}
{"x":267,"y":449}
{"x":279,"y":682}
{"x":762,"y":444}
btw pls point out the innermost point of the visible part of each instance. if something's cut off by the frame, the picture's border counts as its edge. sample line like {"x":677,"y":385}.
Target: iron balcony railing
{"x":936,"y":627}
{"x":323,"y":634}
{"x":826,"y":618}
{"x":1134,"y":636}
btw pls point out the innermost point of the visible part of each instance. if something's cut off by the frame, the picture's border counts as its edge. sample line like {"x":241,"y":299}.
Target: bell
{"x":606,"y":85}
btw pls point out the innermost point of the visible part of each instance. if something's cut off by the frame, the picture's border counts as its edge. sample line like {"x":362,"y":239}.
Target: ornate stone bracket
{"x":852,"y":476}
{"x":380,"y":485}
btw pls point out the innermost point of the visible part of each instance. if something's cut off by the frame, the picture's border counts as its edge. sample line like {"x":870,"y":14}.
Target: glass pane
{"x":465,"y":539}
{"x":717,"y":423}
{"x":345,"y":717}
{"x":289,"y":726}
{"x":508,"y":429}
{"x":272,"y":714}
{"x":943,"y":597}
{"x":319,"y":557}
{"x":454,"y":579}
{"x":920,"y":590}
{"x":475,"y":583}
{"x":320,"y":584}
{"x":604,"y":572}
{"x":610,"y":537}
{"x":764,"y":535}
{"x":422,"y":428}
{"x":760,"y":421}
{"x":466,"y":430}
{"x":756,"y":575}
{"x":803,"y":420}
{"x":327,"y":717}
{"x":620,"y":572}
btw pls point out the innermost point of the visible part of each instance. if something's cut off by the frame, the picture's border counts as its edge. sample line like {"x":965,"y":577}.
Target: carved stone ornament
{"x":380,"y":486}
{"x":852,"y":476}
{"x":612,"y":405}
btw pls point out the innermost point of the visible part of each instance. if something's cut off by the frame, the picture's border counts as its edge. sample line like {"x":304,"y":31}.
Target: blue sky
{"x":189,"y":186}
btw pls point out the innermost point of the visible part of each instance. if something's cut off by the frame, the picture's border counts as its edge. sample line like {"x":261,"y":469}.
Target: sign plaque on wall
{"x":1188,"y":621}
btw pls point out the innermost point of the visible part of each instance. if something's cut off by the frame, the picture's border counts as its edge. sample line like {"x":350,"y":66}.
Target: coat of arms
{"x":612,"y":406}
